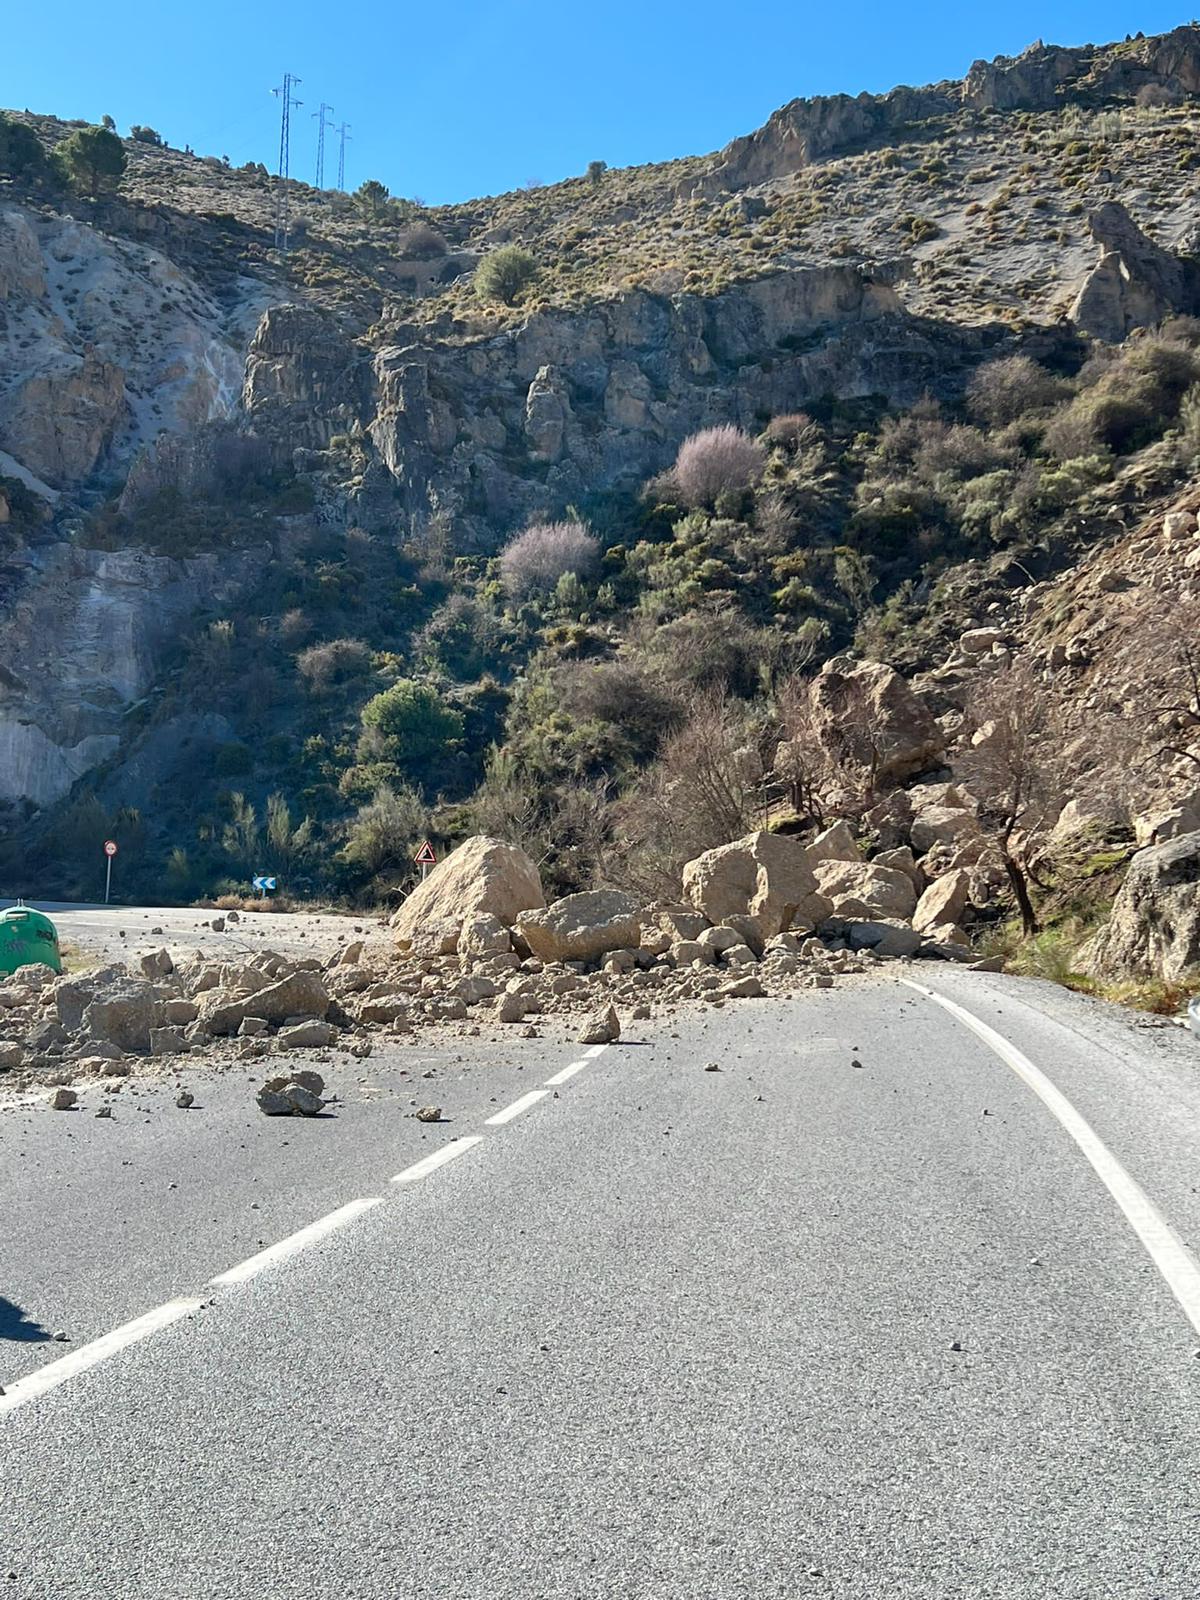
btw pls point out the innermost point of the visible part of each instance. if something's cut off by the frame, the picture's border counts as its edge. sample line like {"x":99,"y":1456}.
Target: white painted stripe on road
{"x":596,"y":1050}
{"x":517,"y":1107}
{"x":566,"y":1074}
{"x":253,"y":1265}
{"x":1165,"y":1248}
{"x":439,"y":1158}
{"x":91,"y":1355}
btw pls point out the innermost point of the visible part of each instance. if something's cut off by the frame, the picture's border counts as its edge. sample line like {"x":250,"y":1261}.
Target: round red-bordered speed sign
{"x":110,"y":847}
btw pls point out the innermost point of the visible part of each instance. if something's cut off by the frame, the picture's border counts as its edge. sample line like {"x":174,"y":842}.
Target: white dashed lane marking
{"x":439,"y":1158}
{"x":517,"y":1107}
{"x":91,"y":1355}
{"x":294,"y":1242}
{"x":46,"y":1378}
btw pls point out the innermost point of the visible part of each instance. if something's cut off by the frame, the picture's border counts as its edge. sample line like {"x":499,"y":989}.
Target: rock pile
{"x":762,"y":915}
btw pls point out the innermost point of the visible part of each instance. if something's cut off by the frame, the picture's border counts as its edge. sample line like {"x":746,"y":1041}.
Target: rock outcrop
{"x":1154,"y":928}
{"x":1135,"y":283}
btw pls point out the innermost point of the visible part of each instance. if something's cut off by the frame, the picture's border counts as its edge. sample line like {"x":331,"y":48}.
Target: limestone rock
{"x":1135,"y":283}
{"x":763,"y":876}
{"x":867,"y":716}
{"x":941,"y":825}
{"x":583,"y":927}
{"x":886,"y":936}
{"x":602,"y":1027}
{"x":1154,"y":928}
{"x":123,"y":1014}
{"x":483,"y":935}
{"x":483,"y":876}
{"x":308,"y":1035}
{"x":835,"y":843}
{"x":944,"y":901}
{"x":881,"y":891}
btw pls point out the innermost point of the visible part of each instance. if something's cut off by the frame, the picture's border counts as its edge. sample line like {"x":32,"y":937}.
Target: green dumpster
{"x":27,"y":938}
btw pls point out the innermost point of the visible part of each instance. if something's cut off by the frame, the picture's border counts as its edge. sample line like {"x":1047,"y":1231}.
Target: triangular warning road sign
{"x":425,"y":856}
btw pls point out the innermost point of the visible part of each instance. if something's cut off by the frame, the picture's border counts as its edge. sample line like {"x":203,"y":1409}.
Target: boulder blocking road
{"x":853,"y":1315}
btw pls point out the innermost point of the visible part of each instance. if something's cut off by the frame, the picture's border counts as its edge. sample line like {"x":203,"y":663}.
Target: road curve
{"x":851,"y":1316}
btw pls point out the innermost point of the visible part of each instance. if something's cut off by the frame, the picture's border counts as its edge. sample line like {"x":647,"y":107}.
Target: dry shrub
{"x":535,"y":560}
{"x":420,"y":243}
{"x":714,"y":462}
{"x":792,"y":430}
{"x":323,"y":665}
{"x":1003,"y":391}
{"x":704,"y":790}
{"x":641,"y":702}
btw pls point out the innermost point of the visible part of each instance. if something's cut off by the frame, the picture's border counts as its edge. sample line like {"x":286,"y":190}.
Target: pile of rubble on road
{"x":476,"y":946}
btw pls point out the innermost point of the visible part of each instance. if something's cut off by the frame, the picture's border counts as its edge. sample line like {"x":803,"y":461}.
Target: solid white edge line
{"x":1179,"y":1268}
{"x":90,"y":1355}
{"x":439,"y":1158}
{"x":294,"y":1242}
{"x":566,"y":1074}
{"x":515,"y":1110}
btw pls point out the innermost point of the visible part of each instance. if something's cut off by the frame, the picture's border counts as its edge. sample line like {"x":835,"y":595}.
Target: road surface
{"x":94,"y":934}
{"x":862,"y":1314}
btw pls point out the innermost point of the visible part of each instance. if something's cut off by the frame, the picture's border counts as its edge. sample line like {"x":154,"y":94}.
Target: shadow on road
{"x":15,"y":1325}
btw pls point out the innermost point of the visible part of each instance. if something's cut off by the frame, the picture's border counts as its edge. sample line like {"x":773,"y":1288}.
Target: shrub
{"x":716,"y":461}
{"x":409,"y":726}
{"x":535,"y":560}
{"x":596,"y":171}
{"x":333,"y":661}
{"x":384,"y":831}
{"x":91,"y":160}
{"x":421,"y":243}
{"x":21,"y":153}
{"x":145,"y":135}
{"x":792,"y":430}
{"x":1003,"y":391}
{"x":503,"y":273}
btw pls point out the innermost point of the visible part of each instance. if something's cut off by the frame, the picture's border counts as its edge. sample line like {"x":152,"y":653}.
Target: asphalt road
{"x":795,"y":1327}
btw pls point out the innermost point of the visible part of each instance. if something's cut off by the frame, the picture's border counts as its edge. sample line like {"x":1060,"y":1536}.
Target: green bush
{"x":410,"y":726}
{"x":91,"y":160}
{"x":503,"y":273}
{"x":21,"y":153}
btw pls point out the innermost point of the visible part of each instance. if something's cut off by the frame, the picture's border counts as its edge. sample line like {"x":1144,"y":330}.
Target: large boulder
{"x":583,"y":927}
{"x":1154,"y":928}
{"x":762,"y":876}
{"x":862,"y":889}
{"x":944,"y":901}
{"x":484,"y":876}
{"x":123,"y":1014}
{"x":1134,"y":284}
{"x":835,"y":843}
{"x":868,"y":718}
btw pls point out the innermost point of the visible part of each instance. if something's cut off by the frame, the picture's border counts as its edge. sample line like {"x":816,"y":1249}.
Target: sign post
{"x":425,"y":858}
{"x":110,"y":850}
{"x":262,"y":883}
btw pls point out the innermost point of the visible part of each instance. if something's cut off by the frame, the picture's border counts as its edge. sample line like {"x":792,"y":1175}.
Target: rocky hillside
{"x":252,"y":504}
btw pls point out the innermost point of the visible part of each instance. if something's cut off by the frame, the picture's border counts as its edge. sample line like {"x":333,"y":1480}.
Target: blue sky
{"x":451,"y":101}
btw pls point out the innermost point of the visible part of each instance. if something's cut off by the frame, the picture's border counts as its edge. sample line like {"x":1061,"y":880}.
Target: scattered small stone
{"x":856,"y":1062}
{"x":711,"y":1066}
{"x":104,"y":1111}
{"x":955,"y":1345}
{"x":185,"y":1099}
{"x":61,"y":1337}
{"x":429,"y":1114}
{"x":63,"y":1099}
{"x":603,"y":1027}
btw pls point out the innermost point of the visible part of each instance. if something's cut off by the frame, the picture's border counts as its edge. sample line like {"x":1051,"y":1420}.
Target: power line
{"x":322,"y":124}
{"x":283,"y":212}
{"x":343,"y":135}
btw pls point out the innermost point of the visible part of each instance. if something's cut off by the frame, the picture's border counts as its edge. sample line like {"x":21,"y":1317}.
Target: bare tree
{"x":1015,"y":769}
{"x":1182,"y":713}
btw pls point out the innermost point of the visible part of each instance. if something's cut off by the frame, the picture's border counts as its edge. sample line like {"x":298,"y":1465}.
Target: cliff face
{"x":148,"y":339}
